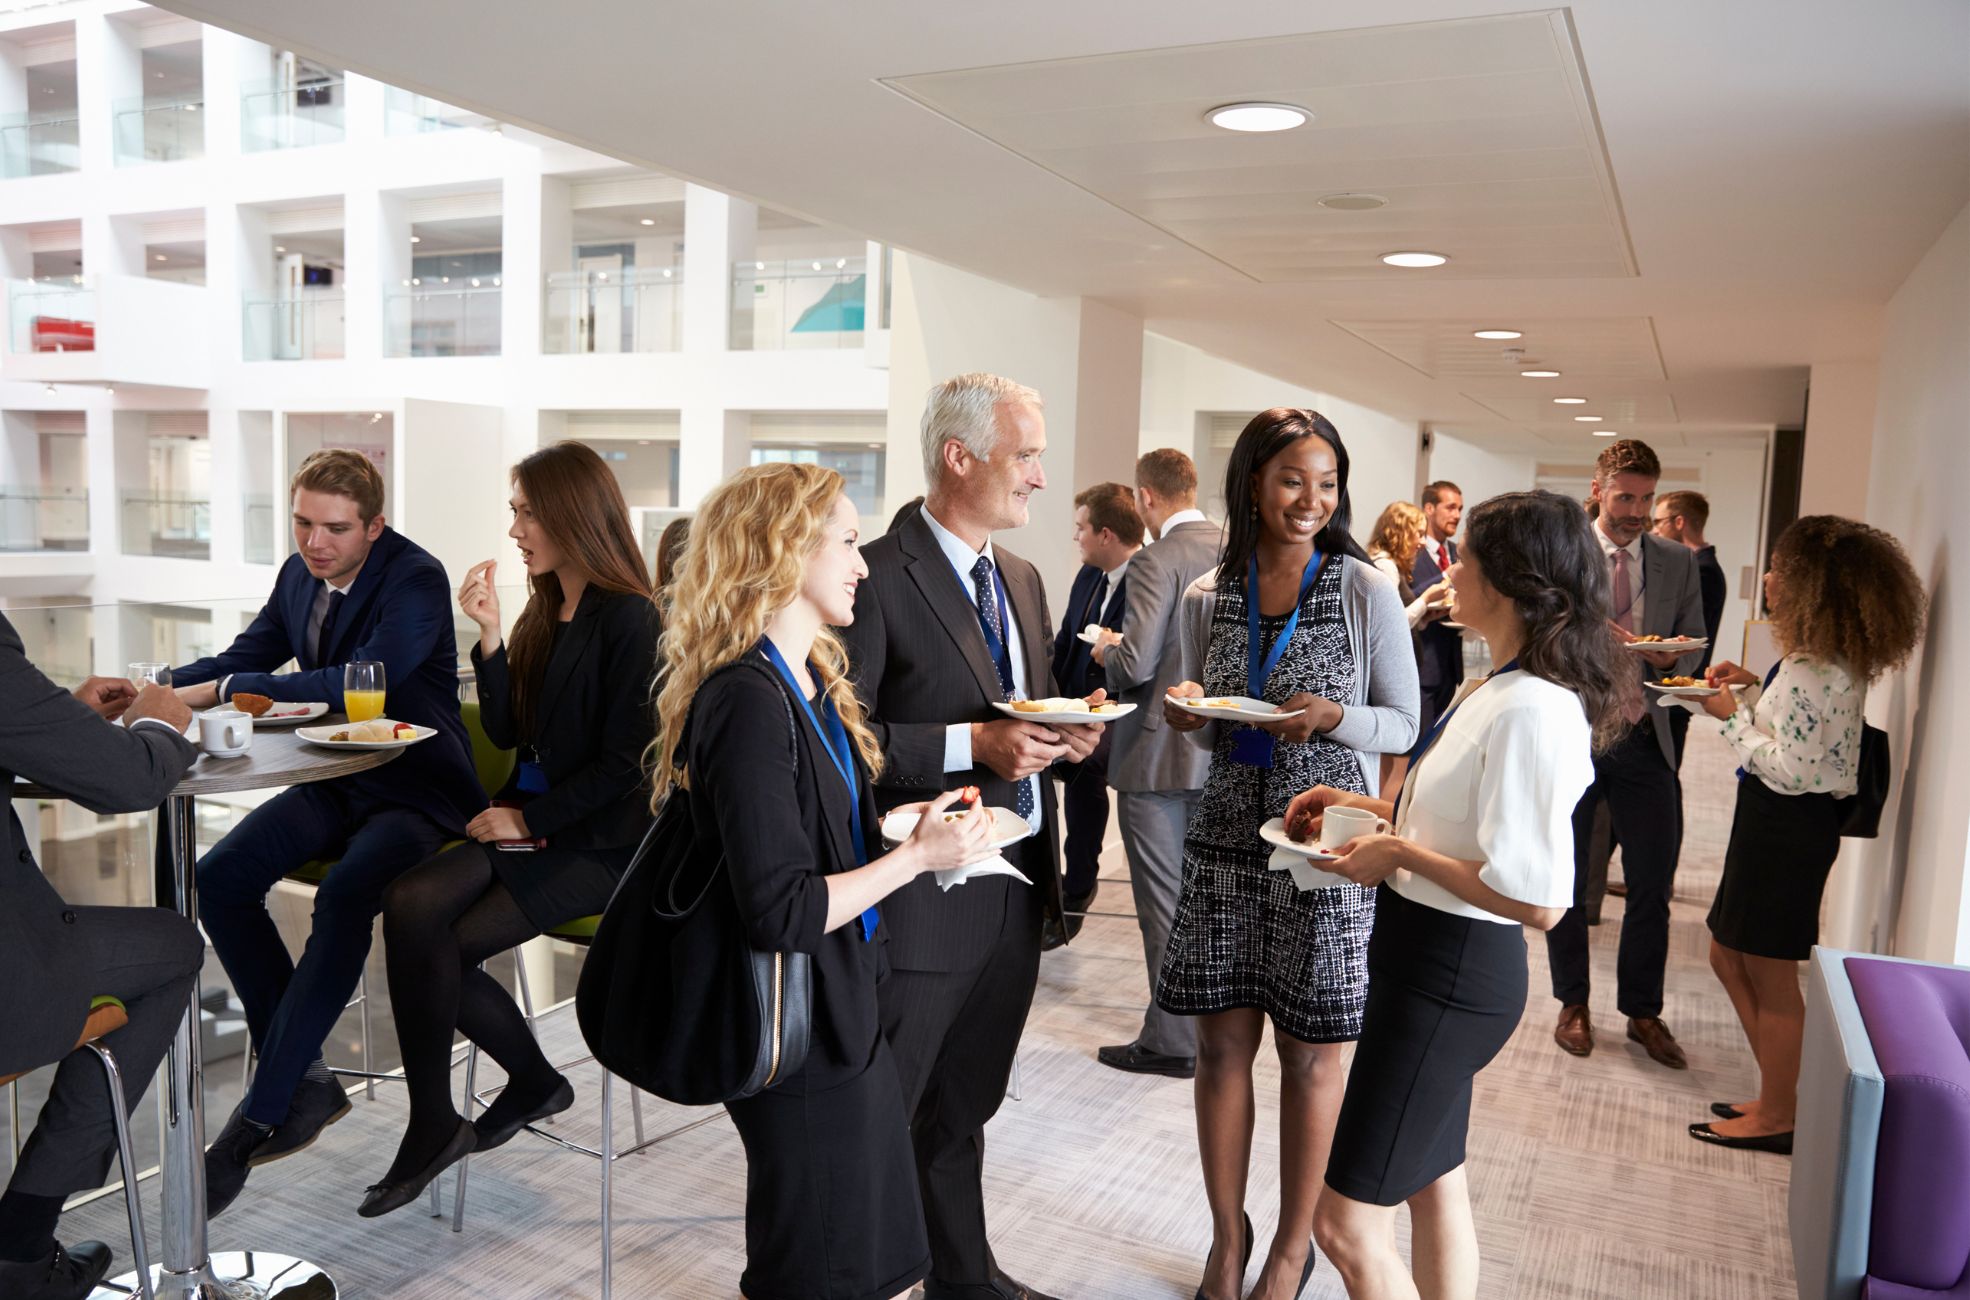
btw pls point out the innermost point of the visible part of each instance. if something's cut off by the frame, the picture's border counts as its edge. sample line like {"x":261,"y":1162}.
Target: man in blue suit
{"x":1108,"y":532}
{"x":1439,"y":649}
{"x":354,"y":590}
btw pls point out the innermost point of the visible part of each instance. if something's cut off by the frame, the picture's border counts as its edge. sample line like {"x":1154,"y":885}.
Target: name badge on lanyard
{"x":1250,"y":745}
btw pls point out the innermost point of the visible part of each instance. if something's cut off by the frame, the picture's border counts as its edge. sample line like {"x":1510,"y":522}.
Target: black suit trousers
{"x":1084,"y":812}
{"x":1644,"y":798}
{"x":954,"y":1034}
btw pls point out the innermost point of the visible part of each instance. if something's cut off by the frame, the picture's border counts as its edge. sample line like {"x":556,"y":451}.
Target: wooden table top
{"x":278,"y":757}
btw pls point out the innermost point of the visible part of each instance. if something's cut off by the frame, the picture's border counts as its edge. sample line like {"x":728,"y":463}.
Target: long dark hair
{"x":1538,"y":551}
{"x":580,"y":505}
{"x":1266,"y":435}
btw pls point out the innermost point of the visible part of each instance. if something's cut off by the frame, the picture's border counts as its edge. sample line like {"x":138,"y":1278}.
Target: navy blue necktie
{"x":995,"y":641}
{"x":326,"y":637}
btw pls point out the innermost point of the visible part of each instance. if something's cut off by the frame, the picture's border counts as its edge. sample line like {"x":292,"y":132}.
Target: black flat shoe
{"x":1137,"y":1059}
{"x":496,"y":1129}
{"x":1251,"y":1238}
{"x":1724,"y":1110}
{"x":383,"y":1197}
{"x":1776,"y":1143}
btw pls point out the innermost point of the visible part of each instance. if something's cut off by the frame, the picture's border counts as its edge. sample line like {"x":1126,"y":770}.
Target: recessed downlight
{"x":1258,"y":117}
{"x":1539,"y":374}
{"x":1605,"y":433}
{"x":647,"y":221}
{"x":1586,"y":419}
{"x":1353,"y":202}
{"x":1497,"y":334}
{"x":1414,"y":259}
{"x":1570,"y":401}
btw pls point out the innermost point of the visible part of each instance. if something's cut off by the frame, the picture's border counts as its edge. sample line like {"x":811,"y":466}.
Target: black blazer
{"x":1439,"y":649}
{"x":1716,"y":589}
{"x":920,"y":664}
{"x":1074,"y":667}
{"x":593,"y":720}
{"x":765,"y":793}
{"x":50,"y":737}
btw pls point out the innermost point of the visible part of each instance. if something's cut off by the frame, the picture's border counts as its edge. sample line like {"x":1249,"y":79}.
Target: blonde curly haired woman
{"x":762,"y":731}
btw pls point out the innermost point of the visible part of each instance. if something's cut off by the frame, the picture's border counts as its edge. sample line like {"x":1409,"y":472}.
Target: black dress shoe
{"x":1776,"y":1143}
{"x":317,"y":1103}
{"x":496,"y":1127}
{"x":383,"y":1197}
{"x":1251,"y":1239}
{"x":228,"y":1160}
{"x":1052,"y":934}
{"x":1137,"y":1059}
{"x":1724,"y":1110}
{"x":65,"y":1274}
{"x":1000,"y":1287}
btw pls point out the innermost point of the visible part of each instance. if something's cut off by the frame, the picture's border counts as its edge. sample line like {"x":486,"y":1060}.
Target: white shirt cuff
{"x":957,"y":747}
{"x":223,"y":683}
{"x":156,"y":722}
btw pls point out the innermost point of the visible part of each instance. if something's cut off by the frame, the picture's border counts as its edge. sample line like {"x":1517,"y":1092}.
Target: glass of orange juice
{"x":362,"y":690}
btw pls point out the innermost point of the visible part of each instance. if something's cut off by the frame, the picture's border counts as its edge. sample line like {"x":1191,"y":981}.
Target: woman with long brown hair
{"x":570,"y":692}
{"x":1392,"y":547}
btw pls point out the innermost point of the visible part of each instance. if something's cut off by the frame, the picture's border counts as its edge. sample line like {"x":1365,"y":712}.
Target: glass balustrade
{"x":309,"y":328}
{"x":160,"y":129}
{"x":275,"y":116}
{"x":175,"y":525}
{"x":408,"y":113}
{"x":46,"y":317}
{"x":39,"y":143}
{"x":636,"y":310}
{"x":44,"y":519}
{"x":443,"y":323}
{"x":259,"y":529}
{"x":798,"y":304}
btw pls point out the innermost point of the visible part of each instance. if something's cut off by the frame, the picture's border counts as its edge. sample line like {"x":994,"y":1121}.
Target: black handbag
{"x":1863,"y":810}
{"x":673,"y":998}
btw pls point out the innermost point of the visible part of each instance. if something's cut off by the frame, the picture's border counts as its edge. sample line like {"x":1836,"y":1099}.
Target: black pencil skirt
{"x":1782,"y":847}
{"x":1444,"y":995}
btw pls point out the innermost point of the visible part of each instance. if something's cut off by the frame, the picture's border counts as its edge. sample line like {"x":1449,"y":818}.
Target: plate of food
{"x":1065,"y":710}
{"x":1274,"y":833}
{"x":380,"y":733}
{"x":1236,"y":708}
{"x":276,"y":713}
{"x":1008,"y":827}
{"x":1667,"y":644}
{"x":1692,"y":687}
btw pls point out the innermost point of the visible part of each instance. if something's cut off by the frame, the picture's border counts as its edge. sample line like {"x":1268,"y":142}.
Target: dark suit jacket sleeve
{"x":1716,"y":591}
{"x":742,"y":766}
{"x":1689,"y":613}
{"x":264,"y":646}
{"x":413,"y":612}
{"x":495,"y":689}
{"x":50,"y":737}
{"x":628,"y":659}
{"x":912,"y":752}
{"x":1147,"y":600}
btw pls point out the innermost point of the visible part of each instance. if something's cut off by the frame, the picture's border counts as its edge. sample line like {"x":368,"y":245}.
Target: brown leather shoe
{"x":1657,"y":1041}
{"x":1575,"y":1032}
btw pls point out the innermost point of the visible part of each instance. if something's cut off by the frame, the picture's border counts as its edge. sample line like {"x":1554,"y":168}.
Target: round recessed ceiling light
{"x":1539,"y":374}
{"x":417,"y":239}
{"x":1414,"y":259}
{"x":1497,"y":334}
{"x":1258,"y":117}
{"x":648,"y":221}
{"x":1570,"y":401}
{"x":1586,"y":419}
{"x":1353,"y":202}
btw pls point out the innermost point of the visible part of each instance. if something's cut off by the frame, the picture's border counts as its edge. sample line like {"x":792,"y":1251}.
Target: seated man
{"x":354,"y":590}
{"x":55,"y":958}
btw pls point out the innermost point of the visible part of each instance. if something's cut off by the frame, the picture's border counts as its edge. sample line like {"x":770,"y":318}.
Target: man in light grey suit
{"x":54,"y":958}
{"x":1157,"y":774}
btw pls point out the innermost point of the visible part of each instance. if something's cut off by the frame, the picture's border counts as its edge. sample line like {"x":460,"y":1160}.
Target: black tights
{"x":440,"y":920}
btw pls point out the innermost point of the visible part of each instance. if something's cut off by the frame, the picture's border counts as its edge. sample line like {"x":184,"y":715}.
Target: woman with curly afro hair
{"x":1846,"y":607}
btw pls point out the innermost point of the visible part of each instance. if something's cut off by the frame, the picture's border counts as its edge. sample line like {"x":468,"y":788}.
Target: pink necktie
{"x":1624,"y":617}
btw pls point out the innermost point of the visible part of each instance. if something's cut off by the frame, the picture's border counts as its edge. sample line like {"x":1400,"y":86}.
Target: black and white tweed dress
{"x":1244,"y":935}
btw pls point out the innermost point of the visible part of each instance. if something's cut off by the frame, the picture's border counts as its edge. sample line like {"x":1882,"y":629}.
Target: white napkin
{"x":992,"y":866}
{"x":1306,"y":874}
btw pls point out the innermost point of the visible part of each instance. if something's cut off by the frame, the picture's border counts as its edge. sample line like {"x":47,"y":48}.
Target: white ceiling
{"x":1748,"y":182}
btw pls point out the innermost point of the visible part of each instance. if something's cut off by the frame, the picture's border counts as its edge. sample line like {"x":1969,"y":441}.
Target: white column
{"x":712,"y":443}
{"x":109,"y":72}
{"x":718,"y":231}
{"x":363,"y":110}
{"x":376,"y":254}
{"x":231,"y":64}
{"x":1839,"y":438}
{"x":536,"y":237}
{"x":13,"y":81}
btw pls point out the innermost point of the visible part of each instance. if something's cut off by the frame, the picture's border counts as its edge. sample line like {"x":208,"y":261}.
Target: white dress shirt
{"x":1636,"y":584}
{"x":957,"y":737}
{"x":1499,"y":787}
{"x":1192,"y":515}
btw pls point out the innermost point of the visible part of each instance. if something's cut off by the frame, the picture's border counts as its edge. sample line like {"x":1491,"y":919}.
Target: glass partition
{"x":45,"y":317}
{"x":309,"y":328}
{"x":177,"y":525}
{"x":160,"y":128}
{"x":408,"y":113}
{"x":40,"y":143}
{"x":278,"y":116}
{"x":259,"y":525}
{"x":798,"y":304}
{"x":443,"y":323}
{"x":636,"y":310}
{"x":44,"y":519}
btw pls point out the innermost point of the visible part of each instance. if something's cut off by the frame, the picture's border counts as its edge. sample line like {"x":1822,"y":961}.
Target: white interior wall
{"x":1478,"y":472}
{"x":1840,"y":409}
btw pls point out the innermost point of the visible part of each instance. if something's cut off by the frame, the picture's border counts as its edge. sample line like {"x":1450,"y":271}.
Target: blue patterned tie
{"x":995,"y":636}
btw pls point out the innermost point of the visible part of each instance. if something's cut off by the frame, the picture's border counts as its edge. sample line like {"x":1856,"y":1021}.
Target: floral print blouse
{"x":1802,"y":734}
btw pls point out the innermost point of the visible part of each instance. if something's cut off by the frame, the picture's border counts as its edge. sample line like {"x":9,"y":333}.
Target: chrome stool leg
{"x":458,"y":1186}
{"x":608,"y":1174}
{"x":362,"y":1002}
{"x":1013,"y":1085}
{"x":132,"y":1194}
{"x":636,"y":1110}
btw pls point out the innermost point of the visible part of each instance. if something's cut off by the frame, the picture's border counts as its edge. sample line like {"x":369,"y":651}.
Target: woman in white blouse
{"x":1482,"y":846}
{"x":1845,"y":607}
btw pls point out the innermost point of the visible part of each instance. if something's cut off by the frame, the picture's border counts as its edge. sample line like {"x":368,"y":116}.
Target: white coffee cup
{"x":1339,"y":825}
{"x":225,"y":733}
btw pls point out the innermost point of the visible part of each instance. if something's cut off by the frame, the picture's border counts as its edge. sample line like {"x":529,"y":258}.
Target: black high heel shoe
{"x":1251,"y":1238}
{"x":1312,"y":1258}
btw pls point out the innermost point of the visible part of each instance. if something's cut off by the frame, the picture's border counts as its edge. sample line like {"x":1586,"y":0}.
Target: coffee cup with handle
{"x":1339,"y":825}
{"x":225,"y":733}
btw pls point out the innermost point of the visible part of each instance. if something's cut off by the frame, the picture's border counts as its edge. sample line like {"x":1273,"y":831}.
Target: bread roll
{"x":253,"y":705}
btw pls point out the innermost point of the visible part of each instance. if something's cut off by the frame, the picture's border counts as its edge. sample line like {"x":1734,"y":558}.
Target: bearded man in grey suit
{"x":1157,"y":774}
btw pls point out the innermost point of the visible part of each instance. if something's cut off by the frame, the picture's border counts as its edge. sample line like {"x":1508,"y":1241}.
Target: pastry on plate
{"x":250,"y":704}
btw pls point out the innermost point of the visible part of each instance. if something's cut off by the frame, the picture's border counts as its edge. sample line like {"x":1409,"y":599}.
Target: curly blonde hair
{"x":1847,"y":595}
{"x":1398,"y":533}
{"x":750,"y":543}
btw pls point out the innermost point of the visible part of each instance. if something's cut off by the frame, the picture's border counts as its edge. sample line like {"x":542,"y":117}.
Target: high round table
{"x":188,"y":1271}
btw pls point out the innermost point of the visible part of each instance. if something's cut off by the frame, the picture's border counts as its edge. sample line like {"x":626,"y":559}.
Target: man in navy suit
{"x":353,"y":591}
{"x":1439,"y":649}
{"x":1108,"y":532}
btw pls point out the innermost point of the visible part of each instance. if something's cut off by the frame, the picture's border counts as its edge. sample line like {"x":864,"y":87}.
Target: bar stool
{"x":105,"y":1016}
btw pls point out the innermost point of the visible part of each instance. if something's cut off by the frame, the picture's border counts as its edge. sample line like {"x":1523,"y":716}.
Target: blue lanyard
{"x":834,"y":738}
{"x":996,"y":645}
{"x":1257,"y":670}
{"x":1436,"y":730}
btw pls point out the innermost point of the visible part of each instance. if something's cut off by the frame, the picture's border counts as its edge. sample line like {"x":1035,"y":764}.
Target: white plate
{"x":1087,"y":638}
{"x":1455,"y":627}
{"x":1691,"y":692}
{"x":320,"y":736}
{"x":303,"y":713}
{"x":1112,"y":712}
{"x":1666,"y":647}
{"x":1441,"y":604}
{"x":1242,"y":708}
{"x":1274,"y":833}
{"x":1008,"y":827}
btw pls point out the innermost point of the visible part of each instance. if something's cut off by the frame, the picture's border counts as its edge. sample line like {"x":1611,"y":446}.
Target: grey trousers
{"x":149,"y":958}
{"x":1153,"y":823}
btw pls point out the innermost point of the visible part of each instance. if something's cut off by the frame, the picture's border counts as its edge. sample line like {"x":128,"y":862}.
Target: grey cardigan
{"x":1381,"y":718}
